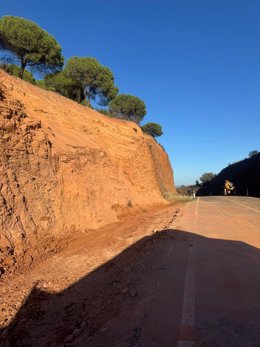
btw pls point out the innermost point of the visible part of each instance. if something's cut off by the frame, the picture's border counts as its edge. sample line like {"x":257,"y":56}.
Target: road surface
{"x":194,"y":281}
{"x":200,"y":285}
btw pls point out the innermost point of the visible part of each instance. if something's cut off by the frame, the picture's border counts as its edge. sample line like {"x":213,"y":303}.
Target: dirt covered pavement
{"x":77,"y":288}
{"x":160,"y":278}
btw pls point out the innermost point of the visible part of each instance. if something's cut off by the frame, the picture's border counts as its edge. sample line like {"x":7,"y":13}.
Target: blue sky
{"x":196,"y":64}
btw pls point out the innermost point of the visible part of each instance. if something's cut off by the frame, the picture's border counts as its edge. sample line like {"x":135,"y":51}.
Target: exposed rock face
{"x":65,"y":168}
{"x":245,"y":175}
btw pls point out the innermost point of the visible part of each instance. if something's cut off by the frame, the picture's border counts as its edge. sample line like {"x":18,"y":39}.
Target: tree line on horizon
{"x":82,"y":79}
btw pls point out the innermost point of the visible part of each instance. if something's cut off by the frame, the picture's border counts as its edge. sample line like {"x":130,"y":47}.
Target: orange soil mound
{"x":65,"y":168}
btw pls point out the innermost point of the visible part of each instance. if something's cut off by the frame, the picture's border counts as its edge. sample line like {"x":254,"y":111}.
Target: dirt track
{"x":196,"y":282}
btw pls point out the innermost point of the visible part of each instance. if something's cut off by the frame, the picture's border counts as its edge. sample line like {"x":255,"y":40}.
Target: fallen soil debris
{"x":70,"y":295}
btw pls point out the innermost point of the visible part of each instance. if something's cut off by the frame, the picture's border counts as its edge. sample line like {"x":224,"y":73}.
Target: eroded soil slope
{"x":66,"y":169}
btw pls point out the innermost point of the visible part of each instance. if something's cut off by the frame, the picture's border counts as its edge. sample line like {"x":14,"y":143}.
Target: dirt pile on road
{"x":42,"y":290}
{"x":66,"y":169}
{"x":245,"y":175}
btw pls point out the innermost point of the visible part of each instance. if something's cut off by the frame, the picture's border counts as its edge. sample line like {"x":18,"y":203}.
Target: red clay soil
{"x":82,"y":286}
{"x":66,"y":169}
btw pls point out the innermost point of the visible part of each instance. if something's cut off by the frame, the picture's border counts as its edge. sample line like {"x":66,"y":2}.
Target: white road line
{"x":188,"y":306}
{"x":185,"y":343}
{"x":239,"y":203}
{"x":196,"y":215}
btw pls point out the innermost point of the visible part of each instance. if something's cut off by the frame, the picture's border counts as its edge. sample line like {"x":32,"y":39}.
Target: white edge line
{"x":239,"y":203}
{"x":188,"y":306}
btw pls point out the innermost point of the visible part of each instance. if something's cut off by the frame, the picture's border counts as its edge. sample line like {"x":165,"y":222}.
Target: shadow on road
{"x":135,"y":299}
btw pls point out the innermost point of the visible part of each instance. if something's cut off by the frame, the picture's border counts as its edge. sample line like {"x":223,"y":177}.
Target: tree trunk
{"x":78,"y":93}
{"x":87,"y":97}
{"x":23,"y":64}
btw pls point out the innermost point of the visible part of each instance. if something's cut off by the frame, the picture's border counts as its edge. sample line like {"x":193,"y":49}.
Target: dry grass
{"x":169,"y":196}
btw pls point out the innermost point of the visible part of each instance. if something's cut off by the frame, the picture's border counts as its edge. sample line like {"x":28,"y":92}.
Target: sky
{"x":196,"y":65}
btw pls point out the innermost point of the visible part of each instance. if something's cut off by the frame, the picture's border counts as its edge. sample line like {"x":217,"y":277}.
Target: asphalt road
{"x":199,"y":283}
{"x":224,"y":285}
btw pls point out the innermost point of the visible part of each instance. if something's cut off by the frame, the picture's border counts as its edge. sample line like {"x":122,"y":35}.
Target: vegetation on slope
{"x":24,"y":44}
{"x":30,"y":44}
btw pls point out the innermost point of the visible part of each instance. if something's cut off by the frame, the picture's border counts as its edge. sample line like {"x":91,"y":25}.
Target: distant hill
{"x":245,"y":175}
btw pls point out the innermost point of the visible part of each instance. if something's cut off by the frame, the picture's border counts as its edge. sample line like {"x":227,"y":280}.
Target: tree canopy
{"x":90,"y":80}
{"x":207,"y":177}
{"x":153,"y":129}
{"x":60,"y":83}
{"x":197,"y":184}
{"x":83,"y":79}
{"x":252,"y":153}
{"x":33,"y":46}
{"x":128,"y":107}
